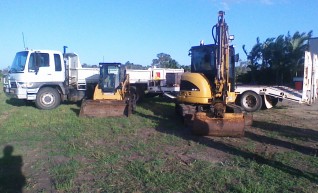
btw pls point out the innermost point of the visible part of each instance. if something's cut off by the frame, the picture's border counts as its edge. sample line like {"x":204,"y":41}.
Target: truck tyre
{"x":134,"y":93}
{"x":251,"y":101}
{"x":47,"y":98}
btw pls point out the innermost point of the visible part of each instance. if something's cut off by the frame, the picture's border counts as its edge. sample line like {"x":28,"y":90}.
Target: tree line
{"x":276,"y":60}
{"x":163,"y":60}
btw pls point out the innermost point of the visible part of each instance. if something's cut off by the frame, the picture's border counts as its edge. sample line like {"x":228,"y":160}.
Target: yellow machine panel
{"x":199,"y":91}
{"x":99,"y":95}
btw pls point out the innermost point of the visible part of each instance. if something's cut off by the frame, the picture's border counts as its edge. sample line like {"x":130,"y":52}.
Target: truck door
{"x":39,"y":67}
{"x":59,"y":75}
{"x":43,"y":67}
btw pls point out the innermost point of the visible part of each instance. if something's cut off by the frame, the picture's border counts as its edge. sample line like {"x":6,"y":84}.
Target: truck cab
{"x":32,"y":69}
{"x":47,"y":77}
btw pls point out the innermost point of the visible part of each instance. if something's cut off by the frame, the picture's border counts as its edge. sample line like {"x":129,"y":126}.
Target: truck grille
{"x":13,"y":85}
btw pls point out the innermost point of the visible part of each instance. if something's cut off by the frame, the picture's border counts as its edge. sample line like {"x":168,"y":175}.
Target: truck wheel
{"x":134,"y":93}
{"x":251,"y":101}
{"x":47,"y":98}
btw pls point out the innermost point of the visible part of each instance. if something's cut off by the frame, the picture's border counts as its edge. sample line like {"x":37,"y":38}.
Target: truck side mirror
{"x":37,"y":63}
{"x":36,"y":69}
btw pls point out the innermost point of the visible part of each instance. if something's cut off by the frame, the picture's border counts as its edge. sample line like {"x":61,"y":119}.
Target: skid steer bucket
{"x":105,"y":108}
{"x":231,"y":125}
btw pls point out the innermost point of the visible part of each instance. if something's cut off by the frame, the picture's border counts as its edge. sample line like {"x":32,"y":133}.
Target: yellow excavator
{"x":112,"y":97}
{"x":207,"y":98}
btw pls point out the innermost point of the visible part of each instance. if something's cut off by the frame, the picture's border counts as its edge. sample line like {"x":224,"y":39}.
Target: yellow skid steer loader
{"x":112,"y":97}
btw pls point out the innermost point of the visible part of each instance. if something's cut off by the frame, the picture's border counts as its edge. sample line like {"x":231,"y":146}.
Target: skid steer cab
{"x":112,"y":96}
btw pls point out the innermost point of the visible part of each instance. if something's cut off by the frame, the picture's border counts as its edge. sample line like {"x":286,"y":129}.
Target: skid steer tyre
{"x":251,"y":101}
{"x":47,"y":98}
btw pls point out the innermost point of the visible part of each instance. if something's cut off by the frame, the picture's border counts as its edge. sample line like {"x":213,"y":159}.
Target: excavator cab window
{"x":109,"y":77}
{"x":203,"y":60}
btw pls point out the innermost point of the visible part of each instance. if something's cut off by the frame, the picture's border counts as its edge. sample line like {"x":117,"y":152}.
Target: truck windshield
{"x":19,"y":61}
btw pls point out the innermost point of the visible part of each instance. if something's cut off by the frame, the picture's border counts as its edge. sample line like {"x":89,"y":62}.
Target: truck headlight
{"x":25,"y":84}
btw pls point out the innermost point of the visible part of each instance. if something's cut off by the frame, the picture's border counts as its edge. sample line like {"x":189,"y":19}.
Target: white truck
{"x":49,"y":77}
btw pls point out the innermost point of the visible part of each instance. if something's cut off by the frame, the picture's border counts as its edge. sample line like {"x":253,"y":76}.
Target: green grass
{"x":150,"y":151}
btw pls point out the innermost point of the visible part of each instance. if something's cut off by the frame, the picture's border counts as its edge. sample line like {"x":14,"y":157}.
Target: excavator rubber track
{"x":231,"y":125}
{"x":105,"y":108}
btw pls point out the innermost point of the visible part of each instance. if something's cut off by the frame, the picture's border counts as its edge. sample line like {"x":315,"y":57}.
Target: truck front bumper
{"x":20,"y":93}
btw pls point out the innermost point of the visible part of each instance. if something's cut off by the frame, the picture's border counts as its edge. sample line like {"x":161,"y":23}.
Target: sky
{"x":138,"y":30}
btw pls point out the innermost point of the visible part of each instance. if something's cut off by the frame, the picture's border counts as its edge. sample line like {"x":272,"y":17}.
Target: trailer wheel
{"x":251,"y":101}
{"x":47,"y":98}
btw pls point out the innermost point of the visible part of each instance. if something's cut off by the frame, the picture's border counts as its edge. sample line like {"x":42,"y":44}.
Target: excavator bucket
{"x":231,"y":125}
{"x":105,"y":108}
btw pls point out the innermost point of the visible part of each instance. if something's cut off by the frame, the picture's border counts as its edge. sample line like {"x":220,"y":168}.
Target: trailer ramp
{"x":283,"y":92}
{"x":309,"y":93}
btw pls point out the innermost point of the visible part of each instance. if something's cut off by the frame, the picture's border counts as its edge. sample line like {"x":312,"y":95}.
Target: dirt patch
{"x":36,"y":168}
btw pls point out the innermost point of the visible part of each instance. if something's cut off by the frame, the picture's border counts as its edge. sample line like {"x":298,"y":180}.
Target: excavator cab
{"x":203,"y":60}
{"x":111,"y":95}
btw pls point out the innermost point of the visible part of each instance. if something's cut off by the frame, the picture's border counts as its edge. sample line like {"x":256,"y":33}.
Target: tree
{"x":165,"y":61}
{"x":279,"y":57}
{"x":297,"y":46}
{"x":130,"y":65}
{"x":254,"y":57}
{"x":187,"y":68}
{"x":267,"y":52}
